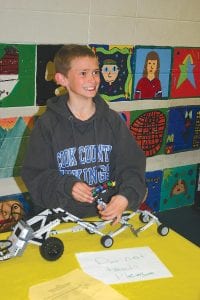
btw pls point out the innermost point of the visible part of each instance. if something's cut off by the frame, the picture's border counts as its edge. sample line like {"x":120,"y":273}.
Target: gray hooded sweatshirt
{"x":63,"y":150}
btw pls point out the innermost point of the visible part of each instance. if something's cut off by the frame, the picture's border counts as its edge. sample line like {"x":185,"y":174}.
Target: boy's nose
{"x":91,"y":77}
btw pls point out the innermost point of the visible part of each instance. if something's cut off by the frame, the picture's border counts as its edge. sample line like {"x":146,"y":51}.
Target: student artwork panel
{"x":151,"y":68}
{"x":148,"y":128}
{"x":178,"y":187}
{"x":115,"y":71}
{"x":12,"y":209}
{"x":125,"y":116}
{"x":185,"y":78}
{"x":197,"y":195}
{"x":46,"y":84}
{"x":183,"y":131}
{"x":17,"y":75}
{"x":153,"y":181}
{"x":14,"y":136}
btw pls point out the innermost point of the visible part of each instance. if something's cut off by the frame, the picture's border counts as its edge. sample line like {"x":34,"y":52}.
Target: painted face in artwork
{"x":10,"y":212}
{"x":152,"y":66}
{"x":179,"y":188}
{"x":110,"y":71}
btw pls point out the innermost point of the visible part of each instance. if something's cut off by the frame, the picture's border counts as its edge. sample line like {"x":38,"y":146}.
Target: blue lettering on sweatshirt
{"x":104,"y":152}
{"x":70,"y":158}
{"x":66,"y":158}
{"x":87,"y":154}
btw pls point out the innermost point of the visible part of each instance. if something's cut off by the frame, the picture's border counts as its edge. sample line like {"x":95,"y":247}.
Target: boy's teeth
{"x":90,"y":88}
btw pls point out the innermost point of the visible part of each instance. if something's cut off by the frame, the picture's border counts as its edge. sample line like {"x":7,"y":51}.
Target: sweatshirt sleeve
{"x":46,"y":186}
{"x":130,"y":167}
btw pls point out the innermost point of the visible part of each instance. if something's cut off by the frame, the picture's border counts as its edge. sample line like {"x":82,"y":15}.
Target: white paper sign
{"x":124,"y":265}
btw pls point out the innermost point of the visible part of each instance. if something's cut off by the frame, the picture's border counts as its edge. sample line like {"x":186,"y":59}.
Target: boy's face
{"x":83,"y":78}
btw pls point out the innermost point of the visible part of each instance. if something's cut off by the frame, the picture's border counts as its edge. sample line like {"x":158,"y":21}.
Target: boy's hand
{"x":82,"y":192}
{"x":114,"y":209}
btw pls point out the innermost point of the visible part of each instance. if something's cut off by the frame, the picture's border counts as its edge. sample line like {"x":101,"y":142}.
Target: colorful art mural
{"x":115,"y":71}
{"x":128,"y":73}
{"x":154,"y":181}
{"x":197,"y":195}
{"x":126,"y":117}
{"x":46,"y":85}
{"x":14,"y":135}
{"x":178,"y":187}
{"x":151,"y":68}
{"x":148,"y":128}
{"x":17,"y":75}
{"x":185,"y":82}
{"x":12,"y":209}
{"x":183,"y":132}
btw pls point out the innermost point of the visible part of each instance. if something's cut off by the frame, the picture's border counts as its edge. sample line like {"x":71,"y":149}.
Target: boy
{"x":79,"y":143}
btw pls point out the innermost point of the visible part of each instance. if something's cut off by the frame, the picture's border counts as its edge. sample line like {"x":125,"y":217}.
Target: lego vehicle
{"x":39,"y":230}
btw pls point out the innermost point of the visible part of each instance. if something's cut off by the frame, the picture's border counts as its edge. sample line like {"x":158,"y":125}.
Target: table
{"x":180,"y":256}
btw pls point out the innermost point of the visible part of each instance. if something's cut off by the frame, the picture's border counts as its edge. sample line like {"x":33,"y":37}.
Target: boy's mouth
{"x":90,"y":89}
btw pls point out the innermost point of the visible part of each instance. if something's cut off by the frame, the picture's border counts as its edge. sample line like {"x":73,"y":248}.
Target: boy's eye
{"x":96,"y":73}
{"x":83,"y":73}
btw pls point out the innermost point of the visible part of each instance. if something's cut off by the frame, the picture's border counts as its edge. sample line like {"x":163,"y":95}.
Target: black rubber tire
{"x":107,"y":241}
{"x":163,"y":230}
{"x":52,"y":248}
{"x":144,"y":218}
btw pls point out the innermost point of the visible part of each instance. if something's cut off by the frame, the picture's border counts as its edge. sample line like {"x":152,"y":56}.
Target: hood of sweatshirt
{"x":83,"y":149}
{"x":59,"y":106}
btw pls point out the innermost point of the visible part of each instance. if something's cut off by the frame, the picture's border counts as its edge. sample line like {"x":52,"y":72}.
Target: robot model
{"x":39,"y":230}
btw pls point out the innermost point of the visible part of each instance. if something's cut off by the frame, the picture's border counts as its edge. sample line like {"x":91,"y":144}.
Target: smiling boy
{"x":79,"y":142}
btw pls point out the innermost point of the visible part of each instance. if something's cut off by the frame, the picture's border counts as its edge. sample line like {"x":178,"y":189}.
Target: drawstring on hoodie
{"x":94,"y":123}
{"x":71,"y":119}
{"x":96,"y":143}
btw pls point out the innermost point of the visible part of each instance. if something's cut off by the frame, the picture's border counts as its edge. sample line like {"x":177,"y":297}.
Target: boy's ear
{"x":60,"y":79}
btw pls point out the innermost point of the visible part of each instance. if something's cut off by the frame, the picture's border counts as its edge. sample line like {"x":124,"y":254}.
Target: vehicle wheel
{"x":163,"y":230}
{"x":107,"y":241}
{"x":144,"y":218}
{"x":52,"y":248}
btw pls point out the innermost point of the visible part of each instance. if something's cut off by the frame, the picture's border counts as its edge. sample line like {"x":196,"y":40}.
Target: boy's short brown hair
{"x":67,"y":53}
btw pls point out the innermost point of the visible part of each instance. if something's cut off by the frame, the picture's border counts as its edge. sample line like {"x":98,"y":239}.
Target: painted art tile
{"x":115,"y":71}
{"x":178,"y":187}
{"x":183,"y":132}
{"x":153,"y":181}
{"x":185,"y":82}
{"x":14,"y":137}
{"x":17,"y":75}
{"x":125,"y":116}
{"x":151,"y":68}
{"x":148,"y":127}
{"x":12,"y":209}
{"x":197,"y":194}
{"x":46,"y":85}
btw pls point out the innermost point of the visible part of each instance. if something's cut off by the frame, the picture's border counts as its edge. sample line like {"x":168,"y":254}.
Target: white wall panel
{"x":40,"y":27}
{"x":114,"y":7}
{"x":189,"y":10}
{"x":158,"y":9}
{"x":75,"y":6}
{"x":111,"y":30}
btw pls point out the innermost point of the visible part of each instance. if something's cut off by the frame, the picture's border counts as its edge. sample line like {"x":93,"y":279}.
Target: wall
{"x":142,"y":22}
{"x":128,"y":22}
